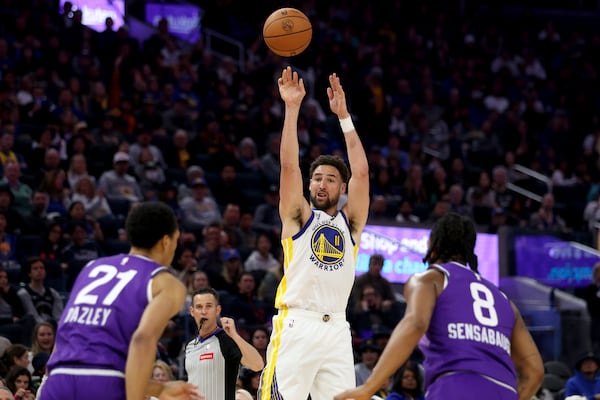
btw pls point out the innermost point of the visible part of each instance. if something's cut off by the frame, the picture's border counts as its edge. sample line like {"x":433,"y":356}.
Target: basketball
{"x":287,"y":32}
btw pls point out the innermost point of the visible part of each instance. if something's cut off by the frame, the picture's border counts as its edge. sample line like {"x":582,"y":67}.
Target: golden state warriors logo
{"x":327,"y":244}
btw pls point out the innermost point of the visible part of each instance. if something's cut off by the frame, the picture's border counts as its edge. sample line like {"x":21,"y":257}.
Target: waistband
{"x":87,"y":372}
{"x":322,"y":316}
{"x":489,"y":378}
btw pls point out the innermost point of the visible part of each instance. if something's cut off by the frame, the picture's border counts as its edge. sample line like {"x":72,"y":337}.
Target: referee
{"x":212,"y":360}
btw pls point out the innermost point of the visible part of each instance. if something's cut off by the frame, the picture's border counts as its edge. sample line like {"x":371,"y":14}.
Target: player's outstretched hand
{"x":355,"y":394}
{"x":337,"y":97}
{"x":291,"y":88}
{"x":180,"y":390}
{"x":228,"y":326}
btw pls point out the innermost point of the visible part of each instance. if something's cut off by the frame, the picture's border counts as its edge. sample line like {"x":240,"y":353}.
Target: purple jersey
{"x":104,"y":309}
{"x":470,"y":328}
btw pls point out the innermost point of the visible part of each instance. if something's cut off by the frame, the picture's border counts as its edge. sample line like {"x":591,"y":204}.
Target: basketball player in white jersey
{"x":310,"y":350}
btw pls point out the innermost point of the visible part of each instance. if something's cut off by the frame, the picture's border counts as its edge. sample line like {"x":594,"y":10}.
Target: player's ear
{"x":344,"y":187}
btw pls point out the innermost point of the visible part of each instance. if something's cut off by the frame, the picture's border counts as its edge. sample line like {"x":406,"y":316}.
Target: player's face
{"x":205,"y":306}
{"x":325,"y":187}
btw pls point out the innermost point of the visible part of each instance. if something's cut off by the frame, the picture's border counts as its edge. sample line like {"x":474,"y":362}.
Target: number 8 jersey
{"x":470,"y":329}
{"x":106,"y":304}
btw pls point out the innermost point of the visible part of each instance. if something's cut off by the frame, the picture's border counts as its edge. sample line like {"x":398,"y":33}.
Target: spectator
{"x":40,"y":301}
{"x":93,"y":200}
{"x":372,"y":313}
{"x":546,"y":219}
{"x":586,"y":381}
{"x":374,"y":279}
{"x":231,"y":226}
{"x":77,"y":214}
{"x":231,"y":272}
{"x":369,"y":354}
{"x":405,"y":214}
{"x":78,"y":170}
{"x":245,"y":307}
{"x":21,"y":192}
{"x":199,"y":209}
{"x":18,"y":380}
{"x":118,"y":184}
{"x":36,"y":222}
{"x":408,"y":384}
{"x":14,"y":324}
{"x":14,"y":220}
{"x":261,"y":259}
{"x":226,"y":189}
{"x":259,"y":338}
{"x":54,"y":183}
{"x":177,"y":154}
{"x":8,"y":248}
{"x":81,"y":250}
{"x":43,"y":338}
{"x":14,"y":355}
{"x":266,"y":215}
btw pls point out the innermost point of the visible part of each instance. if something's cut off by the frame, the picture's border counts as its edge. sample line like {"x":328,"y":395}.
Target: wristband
{"x":346,"y":124}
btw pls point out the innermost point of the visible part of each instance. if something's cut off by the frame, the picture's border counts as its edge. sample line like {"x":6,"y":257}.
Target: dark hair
{"x":452,"y":238}
{"x":13,"y":374}
{"x":257,"y":328}
{"x":29,"y":262}
{"x":397,"y":385}
{"x":148,"y":223}
{"x":334,"y":161}
{"x":205,"y":291}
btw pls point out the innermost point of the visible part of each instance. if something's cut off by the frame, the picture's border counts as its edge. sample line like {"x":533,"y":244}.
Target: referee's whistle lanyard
{"x":200,"y":339}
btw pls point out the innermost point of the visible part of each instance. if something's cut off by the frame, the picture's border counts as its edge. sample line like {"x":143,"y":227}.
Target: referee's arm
{"x":250,"y":356}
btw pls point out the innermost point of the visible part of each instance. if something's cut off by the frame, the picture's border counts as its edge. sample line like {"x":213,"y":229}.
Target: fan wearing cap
{"x":117,"y":183}
{"x":586,"y":380}
{"x":369,"y":353}
{"x":199,"y":208}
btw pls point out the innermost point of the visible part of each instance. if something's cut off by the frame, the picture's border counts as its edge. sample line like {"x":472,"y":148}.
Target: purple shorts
{"x":469,"y":386}
{"x":77,"y":387}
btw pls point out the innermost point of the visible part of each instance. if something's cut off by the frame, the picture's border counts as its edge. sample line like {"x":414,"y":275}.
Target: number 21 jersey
{"x":103,"y":311}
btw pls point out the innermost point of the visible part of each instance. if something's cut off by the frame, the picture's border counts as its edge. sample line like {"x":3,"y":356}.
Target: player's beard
{"x":323,"y":204}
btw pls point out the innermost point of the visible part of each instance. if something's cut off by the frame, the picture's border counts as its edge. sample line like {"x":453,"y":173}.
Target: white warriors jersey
{"x":319,"y":264}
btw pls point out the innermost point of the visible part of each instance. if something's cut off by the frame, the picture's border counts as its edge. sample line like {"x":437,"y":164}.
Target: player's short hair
{"x":453,"y":238}
{"x":207,"y":290}
{"x":335,"y":161}
{"x":150,"y":222}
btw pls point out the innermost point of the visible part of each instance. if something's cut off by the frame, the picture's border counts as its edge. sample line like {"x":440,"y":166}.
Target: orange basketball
{"x":287,"y":32}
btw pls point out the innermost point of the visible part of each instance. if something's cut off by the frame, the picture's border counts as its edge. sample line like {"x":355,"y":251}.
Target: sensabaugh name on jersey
{"x":477,"y":333}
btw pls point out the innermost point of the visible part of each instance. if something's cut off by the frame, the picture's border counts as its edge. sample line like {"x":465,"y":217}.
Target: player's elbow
{"x":142,"y":339}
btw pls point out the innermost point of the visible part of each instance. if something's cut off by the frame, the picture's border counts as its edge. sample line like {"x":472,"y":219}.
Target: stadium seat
{"x":119,"y":207}
{"x":558,"y":368}
{"x":553,"y":383}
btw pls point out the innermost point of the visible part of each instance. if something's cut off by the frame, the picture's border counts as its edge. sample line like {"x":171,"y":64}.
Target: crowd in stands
{"x":92,"y":123}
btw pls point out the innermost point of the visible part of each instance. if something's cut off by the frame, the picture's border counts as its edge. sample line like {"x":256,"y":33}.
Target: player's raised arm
{"x":527,"y":359}
{"x":293,"y":207}
{"x":168,"y":298}
{"x":357,"y":207}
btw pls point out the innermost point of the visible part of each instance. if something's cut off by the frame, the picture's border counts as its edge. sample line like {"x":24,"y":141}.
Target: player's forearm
{"x":290,"y":148}
{"x":142,"y":353}
{"x":356,"y":154}
{"x":527,"y":383}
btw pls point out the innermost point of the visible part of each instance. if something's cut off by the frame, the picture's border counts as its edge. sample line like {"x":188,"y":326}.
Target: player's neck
{"x":136,"y":251}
